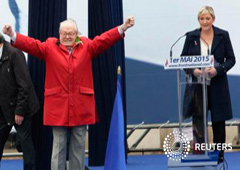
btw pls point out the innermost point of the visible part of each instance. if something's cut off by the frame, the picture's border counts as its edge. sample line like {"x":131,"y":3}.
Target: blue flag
{"x":115,"y":155}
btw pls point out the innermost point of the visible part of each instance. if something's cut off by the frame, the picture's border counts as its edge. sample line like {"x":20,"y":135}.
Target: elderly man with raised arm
{"x":69,"y":94}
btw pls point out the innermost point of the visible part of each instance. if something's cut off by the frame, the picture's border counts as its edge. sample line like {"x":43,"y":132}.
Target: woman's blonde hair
{"x":206,"y":9}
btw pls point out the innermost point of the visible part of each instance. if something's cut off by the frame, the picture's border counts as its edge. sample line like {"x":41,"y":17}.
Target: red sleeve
{"x":106,"y":40}
{"x":30,"y":45}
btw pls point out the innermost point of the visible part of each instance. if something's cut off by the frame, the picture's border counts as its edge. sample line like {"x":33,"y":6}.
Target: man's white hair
{"x":69,"y":21}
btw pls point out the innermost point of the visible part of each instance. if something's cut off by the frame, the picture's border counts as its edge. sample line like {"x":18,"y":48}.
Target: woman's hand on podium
{"x":197,"y":72}
{"x":211,"y":72}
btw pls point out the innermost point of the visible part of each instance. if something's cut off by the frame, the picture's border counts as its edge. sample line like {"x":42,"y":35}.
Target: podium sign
{"x":185,"y":62}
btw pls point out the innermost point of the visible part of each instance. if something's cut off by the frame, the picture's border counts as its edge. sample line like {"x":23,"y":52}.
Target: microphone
{"x":176,"y":42}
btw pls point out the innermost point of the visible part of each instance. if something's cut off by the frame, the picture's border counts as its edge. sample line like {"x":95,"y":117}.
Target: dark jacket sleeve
{"x":186,"y":46}
{"x":22,"y":79}
{"x":229,"y":56}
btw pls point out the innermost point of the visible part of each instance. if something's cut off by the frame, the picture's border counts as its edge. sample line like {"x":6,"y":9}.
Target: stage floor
{"x":137,"y":162}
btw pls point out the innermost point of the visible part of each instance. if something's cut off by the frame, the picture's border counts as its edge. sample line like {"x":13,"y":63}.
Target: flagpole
{"x":119,"y":71}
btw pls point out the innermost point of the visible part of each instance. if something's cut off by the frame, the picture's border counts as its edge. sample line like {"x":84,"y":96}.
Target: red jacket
{"x":69,"y":93}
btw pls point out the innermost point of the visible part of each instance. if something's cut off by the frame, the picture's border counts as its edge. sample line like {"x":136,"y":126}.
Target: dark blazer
{"x":222,"y":50}
{"x":17,"y":94}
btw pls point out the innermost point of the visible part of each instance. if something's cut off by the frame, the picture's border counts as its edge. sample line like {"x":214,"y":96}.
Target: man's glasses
{"x":70,"y":34}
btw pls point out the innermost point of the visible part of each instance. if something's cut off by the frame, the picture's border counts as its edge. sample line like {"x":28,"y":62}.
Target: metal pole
{"x":179,"y":99}
{"x":205,"y":108}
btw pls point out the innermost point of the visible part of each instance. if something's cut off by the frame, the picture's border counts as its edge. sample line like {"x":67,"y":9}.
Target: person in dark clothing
{"x":18,"y":101}
{"x":211,"y":40}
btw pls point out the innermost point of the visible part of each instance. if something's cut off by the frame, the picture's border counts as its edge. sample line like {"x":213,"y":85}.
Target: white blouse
{"x":204,"y":48}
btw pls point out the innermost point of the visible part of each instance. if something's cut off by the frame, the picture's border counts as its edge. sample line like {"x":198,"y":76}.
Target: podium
{"x":195,"y":154}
